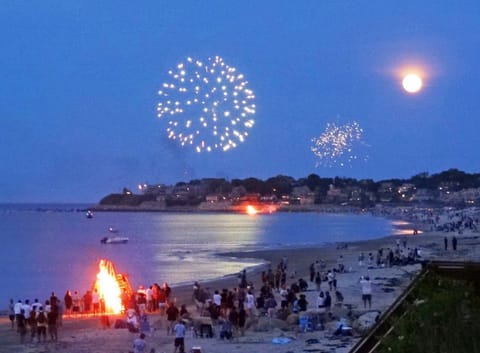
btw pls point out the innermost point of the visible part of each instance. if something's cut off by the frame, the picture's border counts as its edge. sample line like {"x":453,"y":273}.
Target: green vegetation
{"x":444,"y":319}
{"x":126,"y":199}
{"x":444,"y":188}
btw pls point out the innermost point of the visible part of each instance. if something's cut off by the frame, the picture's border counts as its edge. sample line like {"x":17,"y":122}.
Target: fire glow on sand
{"x":110,"y":286}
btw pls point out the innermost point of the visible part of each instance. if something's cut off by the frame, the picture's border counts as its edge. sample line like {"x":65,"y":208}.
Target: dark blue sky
{"x":79,"y":82}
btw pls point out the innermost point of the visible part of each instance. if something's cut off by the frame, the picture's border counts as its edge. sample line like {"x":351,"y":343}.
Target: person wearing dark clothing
{"x":454,"y":243}
{"x":328,"y":300}
{"x":21,"y":325}
{"x":242,"y":319}
{"x":172,"y":316}
{"x":52,"y":324}
{"x":318,"y":281}
{"x":68,"y":302}
{"x":230,"y":300}
{"x":295,"y":288}
{"x":302,"y":303}
{"x":445,"y":243}
{"x":303,"y":285}
{"x":226,"y":330}
{"x":233,"y":318}
{"x":312,"y":272}
{"x":54,"y":300}
{"x":261,"y":302}
{"x":32,"y":322}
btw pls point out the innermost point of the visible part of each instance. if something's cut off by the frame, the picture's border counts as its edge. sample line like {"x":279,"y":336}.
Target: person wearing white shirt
{"x":17,"y":309}
{"x":217,"y":298}
{"x":27,"y":308}
{"x":321,"y":301}
{"x":149,"y":295}
{"x":366,"y":291}
{"x":250,"y":303}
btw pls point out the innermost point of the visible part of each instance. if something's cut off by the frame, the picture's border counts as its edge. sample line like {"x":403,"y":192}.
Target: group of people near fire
{"x":36,"y":319}
{"x":281,"y":293}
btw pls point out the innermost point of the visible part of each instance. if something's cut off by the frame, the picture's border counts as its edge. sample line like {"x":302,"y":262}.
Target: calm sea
{"x":56,"y":247}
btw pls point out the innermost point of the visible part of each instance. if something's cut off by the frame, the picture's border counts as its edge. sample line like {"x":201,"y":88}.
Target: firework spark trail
{"x":337,"y":145}
{"x":208,"y":105}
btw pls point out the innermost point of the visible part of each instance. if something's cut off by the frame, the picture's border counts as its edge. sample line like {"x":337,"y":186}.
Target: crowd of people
{"x":280,"y":294}
{"x":36,"y":318}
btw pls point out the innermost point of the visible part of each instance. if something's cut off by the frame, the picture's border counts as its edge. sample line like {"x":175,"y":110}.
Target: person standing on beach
{"x":179,"y":342}
{"x":139,"y":344}
{"x":52,"y":316}
{"x":27,"y":308}
{"x":53,"y":300}
{"x":11,"y":312}
{"x":250,"y":303}
{"x":366,"y":291}
{"x":68,"y":302}
{"x":32,"y":322}
{"x":233,"y":318}
{"x":312,"y":271}
{"x":36,"y":305}
{"x":242,"y":319}
{"x":361,"y":259}
{"x":42,"y":325}
{"x":149,"y":296}
{"x":96,"y":302}
{"x":17,"y":308}
{"x":172,"y":316}
{"x":318,"y":281}
{"x":271,"y":305}
{"x":445,"y":243}
{"x":330,"y":277}
{"x":60,"y":311}
{"x":454,"y":243}
{"x":21,"y":325}
{"x":217,"y":298}
{"x":328,"y":301}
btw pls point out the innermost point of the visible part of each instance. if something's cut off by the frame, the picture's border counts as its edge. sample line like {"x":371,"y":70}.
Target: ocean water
{"x":49,"y":248}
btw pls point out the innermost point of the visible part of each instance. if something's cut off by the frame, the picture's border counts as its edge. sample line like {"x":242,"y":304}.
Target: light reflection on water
{"x":63,"y":248}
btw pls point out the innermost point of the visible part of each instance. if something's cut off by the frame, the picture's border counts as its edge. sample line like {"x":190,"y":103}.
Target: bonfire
{"x":110,"y":286}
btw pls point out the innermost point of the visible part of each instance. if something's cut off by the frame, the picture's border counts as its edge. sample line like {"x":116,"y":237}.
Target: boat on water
{"x":114,"y":240}
{"x":89,"y":214}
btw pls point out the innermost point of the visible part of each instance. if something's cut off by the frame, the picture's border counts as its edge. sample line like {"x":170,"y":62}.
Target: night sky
{"x":80,"y":81}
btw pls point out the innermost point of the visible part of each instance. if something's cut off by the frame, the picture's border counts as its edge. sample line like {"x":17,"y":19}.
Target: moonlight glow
{"x":412,"y":83}
{"x":207,"y":105}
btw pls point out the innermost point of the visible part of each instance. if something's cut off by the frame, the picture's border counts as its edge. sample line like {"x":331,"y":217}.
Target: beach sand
{"x":85,"y":334}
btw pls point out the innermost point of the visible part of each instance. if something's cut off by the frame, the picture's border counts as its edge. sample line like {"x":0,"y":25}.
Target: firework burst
{"x":207,"y":105}
{"x":339,"y":145}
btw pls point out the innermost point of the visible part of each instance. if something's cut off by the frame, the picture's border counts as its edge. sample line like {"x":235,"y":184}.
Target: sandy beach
{"x":86,"y":334}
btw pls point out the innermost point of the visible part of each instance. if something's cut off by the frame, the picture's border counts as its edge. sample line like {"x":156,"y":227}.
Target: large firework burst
{"x":208,"y":105}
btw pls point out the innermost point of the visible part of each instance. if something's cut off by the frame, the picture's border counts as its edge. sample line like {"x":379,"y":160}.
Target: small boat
{"x":114,"y":240}
{"x":89,"y":214}
{"x":112,"y":230}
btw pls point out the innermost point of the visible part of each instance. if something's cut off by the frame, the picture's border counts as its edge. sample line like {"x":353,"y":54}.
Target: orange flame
{"x":251,"y":210}
{"x":108,"y":287}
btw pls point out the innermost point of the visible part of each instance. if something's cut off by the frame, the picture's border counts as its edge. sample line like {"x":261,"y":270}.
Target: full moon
{"x":412,"y":83}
